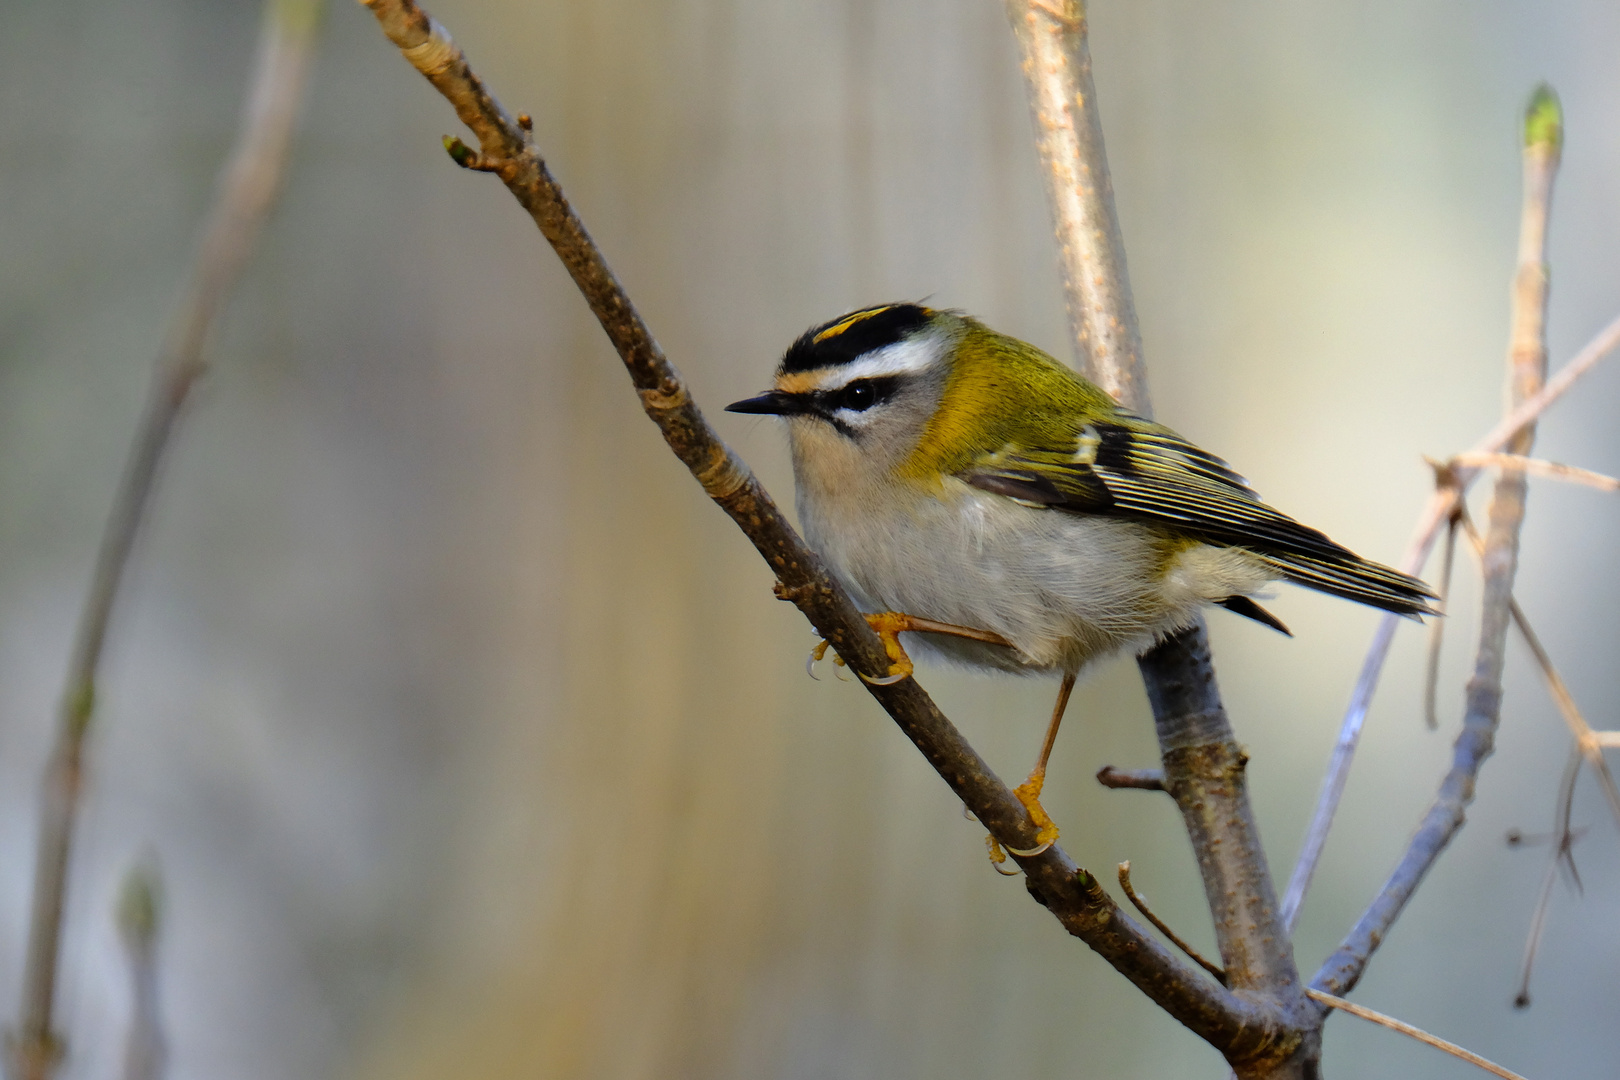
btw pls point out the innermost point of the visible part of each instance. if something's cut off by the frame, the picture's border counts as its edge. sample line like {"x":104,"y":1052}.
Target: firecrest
{"x":1008,"y":514}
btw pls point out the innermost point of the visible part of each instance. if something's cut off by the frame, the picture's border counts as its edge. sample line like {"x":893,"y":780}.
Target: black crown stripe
{"x":841,"y":340}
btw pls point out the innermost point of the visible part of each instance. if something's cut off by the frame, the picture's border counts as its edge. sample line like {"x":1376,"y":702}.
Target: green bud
{"x":460,"y":152}
{"x":1544,"y":120}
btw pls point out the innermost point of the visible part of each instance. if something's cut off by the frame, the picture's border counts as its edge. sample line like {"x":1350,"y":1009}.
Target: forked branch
{"x":1527,"y":369}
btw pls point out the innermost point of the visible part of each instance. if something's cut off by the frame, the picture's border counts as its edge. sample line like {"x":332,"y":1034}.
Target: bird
{"x":1007,"y":514}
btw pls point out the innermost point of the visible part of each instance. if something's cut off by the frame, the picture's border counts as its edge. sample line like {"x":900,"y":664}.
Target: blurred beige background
{"x":468,"y":734}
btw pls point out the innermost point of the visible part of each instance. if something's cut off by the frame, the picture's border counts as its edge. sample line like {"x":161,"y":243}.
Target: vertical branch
{"x":1527,"y":370}
{"x":247,"y":190}
{"x":1068,"y":136}
{"x":1203,"y":763}
{"x":1204,"y":771}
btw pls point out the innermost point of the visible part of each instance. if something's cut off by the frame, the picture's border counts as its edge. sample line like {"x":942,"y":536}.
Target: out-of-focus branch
{"x":247,"y":190}
{"x":1588,"y":743}
{"x":1550,"y":470}
{"x":1241,"y":1027}
{"x":1435,"y":514}
{"x":140,"y":917}
{"x":1563,"y":843}
{"x":1203,"y":764}
{"x":1415,"y":1032}
{"x":1527,"y":358}
{"x":1068,"y":136}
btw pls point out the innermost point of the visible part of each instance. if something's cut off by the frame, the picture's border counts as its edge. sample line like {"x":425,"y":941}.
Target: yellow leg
{"x":1029,"y":792}
{"x":891,"y":624}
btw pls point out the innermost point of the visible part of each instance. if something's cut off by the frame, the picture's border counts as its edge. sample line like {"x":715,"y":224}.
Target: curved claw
{"x":1032,"y":852}
{"x":815,"y":657}
{"x":838,"y":668}
{"x":998,"y":858}
{"x":887,"y":680}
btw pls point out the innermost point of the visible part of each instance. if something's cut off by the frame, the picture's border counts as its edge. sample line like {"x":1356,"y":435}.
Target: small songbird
{"x":1005,"y":513}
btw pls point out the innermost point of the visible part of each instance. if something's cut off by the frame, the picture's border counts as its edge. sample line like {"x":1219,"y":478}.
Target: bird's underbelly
{"x":1064,"y":588}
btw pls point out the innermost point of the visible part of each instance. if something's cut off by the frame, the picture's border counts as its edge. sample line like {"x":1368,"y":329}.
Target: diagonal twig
{"x":1550,"y":470}
{"x":1164,"y":928}
{"x":247,"y":189}
{"x":1415,"y":1032}
{"x":1587,"y":742}
{"x":1527,"y":358}
{"x":1240,"y":1027}
{"x":1563,"y":841}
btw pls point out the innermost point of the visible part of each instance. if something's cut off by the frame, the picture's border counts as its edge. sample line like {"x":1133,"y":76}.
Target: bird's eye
{"x":858,"y":396}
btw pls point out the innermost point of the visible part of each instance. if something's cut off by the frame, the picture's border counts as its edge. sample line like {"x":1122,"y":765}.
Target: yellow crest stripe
{"x":849,"y":321}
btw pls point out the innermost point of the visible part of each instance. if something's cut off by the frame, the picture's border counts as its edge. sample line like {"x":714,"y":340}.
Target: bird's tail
{"x":1356,"y":579}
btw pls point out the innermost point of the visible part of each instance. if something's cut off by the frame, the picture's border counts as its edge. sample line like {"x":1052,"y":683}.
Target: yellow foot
{"x":1046,"y":830}
{"x":889,"y":626}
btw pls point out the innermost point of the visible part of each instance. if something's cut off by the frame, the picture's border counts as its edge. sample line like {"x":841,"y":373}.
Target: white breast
{"x":1063,"y":587}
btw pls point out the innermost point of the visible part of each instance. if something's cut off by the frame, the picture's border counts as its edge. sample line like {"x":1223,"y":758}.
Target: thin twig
{"x":1435,"y":514}
{"x":1587,"y":741}
{"x":1437,"y":628}
{"x":1240,"y":1028}
{"x":1141,"y":779}
{"x":1563,"y":842}
{"x":1175,"y":939}
{"x":1415,"y":1032}
{"x":1550,"y":470}
{"x":247,"y":190}
{"x":1527,"y":358}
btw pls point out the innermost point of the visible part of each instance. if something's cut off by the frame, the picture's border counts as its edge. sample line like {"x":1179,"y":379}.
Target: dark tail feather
{"x":1242,"y":605}
{"x":1359,"y":580}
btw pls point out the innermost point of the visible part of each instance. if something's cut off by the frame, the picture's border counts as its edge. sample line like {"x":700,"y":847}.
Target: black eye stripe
{"x":857,"y":396}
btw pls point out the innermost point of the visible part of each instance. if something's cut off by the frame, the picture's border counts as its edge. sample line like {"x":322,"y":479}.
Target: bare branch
{"x":1437,"y":628}
{"x":1141,"y":779}
{"x":1241,"y":1028}
{"x":1563,"y":841}
{"x":1587,"y":742}
{"x":247,"y":189}
{"x":1175,"y":939}
{"x":1415,"y":1032}
{"x":1527,"y":357}
{"x":1068,"y":136}
{"x":1205,"y":772}
{"x":1435,"y":514}
{"x":1550,"y":470}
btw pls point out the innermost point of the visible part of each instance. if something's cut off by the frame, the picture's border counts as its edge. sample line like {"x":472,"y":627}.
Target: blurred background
{"x":466,"y":732}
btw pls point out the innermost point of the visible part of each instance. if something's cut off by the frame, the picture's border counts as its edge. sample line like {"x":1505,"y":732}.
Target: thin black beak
{"x":773,"y":403}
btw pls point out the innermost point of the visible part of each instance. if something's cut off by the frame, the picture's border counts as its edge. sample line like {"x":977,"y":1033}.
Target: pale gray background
{"x":467,"y":732}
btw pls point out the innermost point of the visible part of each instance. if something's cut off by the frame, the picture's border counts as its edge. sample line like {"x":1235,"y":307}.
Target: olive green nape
{"x":1544,"y":120}
{"x":1002,"y":390}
